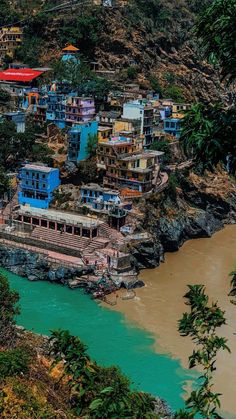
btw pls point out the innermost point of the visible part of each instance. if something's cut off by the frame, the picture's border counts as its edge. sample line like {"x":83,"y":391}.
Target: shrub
{"x":14,"y":362}
{"x":8,"y":310}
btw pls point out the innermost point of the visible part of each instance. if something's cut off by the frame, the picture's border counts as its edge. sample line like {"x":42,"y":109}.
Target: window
{"x":44,"y":223}
{"x":44,"y":185}
{"x":167,"y":124}
{"x":52,"y":225}
{"x":172,"y":124}
{"x":43,"y":176}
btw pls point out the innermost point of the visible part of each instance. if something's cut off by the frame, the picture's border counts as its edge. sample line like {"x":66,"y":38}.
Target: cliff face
{"x":201,"y":207}
{"x":153,"y":39}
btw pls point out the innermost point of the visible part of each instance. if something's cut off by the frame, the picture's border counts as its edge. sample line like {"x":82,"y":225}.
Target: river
{"x":159,"y":305}
{"x":141,"y":335}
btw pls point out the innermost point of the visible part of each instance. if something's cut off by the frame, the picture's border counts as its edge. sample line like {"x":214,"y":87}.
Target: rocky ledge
{"x":199,"y":207}
{"x":36,"y":267}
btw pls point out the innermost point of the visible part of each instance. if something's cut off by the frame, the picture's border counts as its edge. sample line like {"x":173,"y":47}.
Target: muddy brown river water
{"x":158,"y":306}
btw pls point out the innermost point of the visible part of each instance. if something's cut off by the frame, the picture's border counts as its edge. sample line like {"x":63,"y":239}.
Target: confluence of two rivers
{"x":140,"y":335}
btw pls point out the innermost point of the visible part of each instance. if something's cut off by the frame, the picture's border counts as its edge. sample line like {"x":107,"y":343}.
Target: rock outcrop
{"x":202,"y":206}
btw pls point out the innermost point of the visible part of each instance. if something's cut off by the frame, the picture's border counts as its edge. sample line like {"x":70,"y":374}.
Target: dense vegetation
{"x":63,"y":381}
{"x":209,"y":133}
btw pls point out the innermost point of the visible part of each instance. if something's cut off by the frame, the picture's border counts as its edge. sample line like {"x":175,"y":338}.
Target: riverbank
{"x":111,"y":340}
{"x":159,"y":305}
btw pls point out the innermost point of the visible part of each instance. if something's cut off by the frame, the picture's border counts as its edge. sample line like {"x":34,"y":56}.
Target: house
{"x":10,"y":39}
{"x":99,"y":198}
{"x":142,"y":111}
{"x":104,"y":133}
{"x":172,"y":126}
{"x":56,"y":108}
{"x":18,"y":118}
{"x":107,"y":118}
{"x":127,"y":165}
{"x":79,"y":109}
{"x":129,"y":125}
{"x":37,"y":184}
{"x":179,"y":109}
{"x":78,"y":138}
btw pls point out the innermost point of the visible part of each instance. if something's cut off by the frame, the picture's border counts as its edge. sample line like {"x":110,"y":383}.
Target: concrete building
{"x":37,"y":184}
{"x":172,"y":126}
{"x":127,"y":165}
{"x":56,"y":108}
{"x":79,"y":109}
{"x":46,"y":222}
{"x":140,"y":110}
{"x":78,"y":138}
{"x":99,"y":198}
{"x":18,"y":118}
{"x":104,"y":133}
{"x":10,"y":39}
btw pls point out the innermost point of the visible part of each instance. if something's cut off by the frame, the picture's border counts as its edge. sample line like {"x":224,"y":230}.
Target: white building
{"x":142,"y":111}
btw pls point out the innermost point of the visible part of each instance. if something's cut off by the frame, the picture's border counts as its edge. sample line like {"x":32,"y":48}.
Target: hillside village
{"x":79,"y":223}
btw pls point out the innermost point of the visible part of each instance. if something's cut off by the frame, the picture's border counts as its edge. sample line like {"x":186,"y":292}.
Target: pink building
{"x":80,"y":109}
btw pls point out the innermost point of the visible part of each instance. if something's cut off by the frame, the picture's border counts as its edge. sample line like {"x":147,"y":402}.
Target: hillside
{"x":150,"y":44}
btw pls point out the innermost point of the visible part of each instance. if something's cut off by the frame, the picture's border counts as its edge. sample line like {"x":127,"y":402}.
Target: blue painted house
{"x":172,"y":126}
{"x":78,"y":137}
{"x":98,"y":198}
{"x":37,"y":184}
{"x":56,"y":106}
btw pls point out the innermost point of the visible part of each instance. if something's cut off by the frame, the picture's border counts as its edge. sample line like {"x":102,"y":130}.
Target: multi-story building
{"x":144,"y":112}
{"x":99,"y":198}
{"x":10,"y":39}
{"x":104,"y":133}
{"x":107,"y":118}
{"x":56,"y":108}
{"x":37,"y":184}
{"x":172,"y":126}
{"x":78,"y":139}
{"x":79,"y":109}
{"x":127,"y":165}
{"x":40,"y":115}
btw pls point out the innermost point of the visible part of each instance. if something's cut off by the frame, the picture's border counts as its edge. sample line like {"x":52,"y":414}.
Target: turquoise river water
{"x":110,"y":338}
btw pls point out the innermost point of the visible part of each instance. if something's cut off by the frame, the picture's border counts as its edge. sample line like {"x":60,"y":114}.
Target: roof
{"x":143,"y":155}
{"x":20,"y":74}
{"x":60,"y":216}
{"x":38,"y":168}
{"x":70,"y":48}
{"x":96,"y":187}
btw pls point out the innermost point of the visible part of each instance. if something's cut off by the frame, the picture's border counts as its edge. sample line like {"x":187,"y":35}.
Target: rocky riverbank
{"x":197,"y":208}
{"x":36,"y":267}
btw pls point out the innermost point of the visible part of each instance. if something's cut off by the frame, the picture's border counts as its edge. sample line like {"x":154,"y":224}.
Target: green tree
{"x":92,"y":145}
{"x":98,"y":392}
{"x":201,"y":324}
{"x":8,"y":310}
{"x":163,"y":145}
{"x":216,"y":30}
{"x":209,"y":134}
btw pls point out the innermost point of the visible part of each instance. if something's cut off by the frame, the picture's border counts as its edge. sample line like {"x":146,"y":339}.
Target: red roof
{"x":19,"y":74}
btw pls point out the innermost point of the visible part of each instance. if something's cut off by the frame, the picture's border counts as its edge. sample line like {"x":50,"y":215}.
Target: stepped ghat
{"x":66,"y":233}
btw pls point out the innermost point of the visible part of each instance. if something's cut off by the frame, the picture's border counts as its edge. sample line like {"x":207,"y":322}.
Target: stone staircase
{"x":60,"y":239}
{"x":110,"y":233}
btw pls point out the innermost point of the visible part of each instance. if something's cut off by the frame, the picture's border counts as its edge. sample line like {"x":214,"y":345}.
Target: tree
{"x":201,"y":325}
{"x":162,"y":145}
{"x":216,"y":30}
{"x":92,"y":145}
{"x":97,"y":392}
{"x":209,"y":134}
{"x":8,"y":310}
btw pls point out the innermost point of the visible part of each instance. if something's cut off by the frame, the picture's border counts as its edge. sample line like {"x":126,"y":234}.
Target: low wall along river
{"x":140,"y":335}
